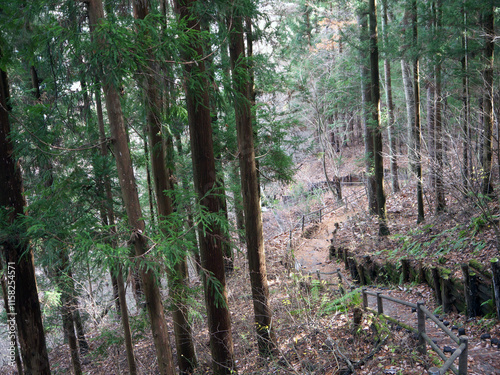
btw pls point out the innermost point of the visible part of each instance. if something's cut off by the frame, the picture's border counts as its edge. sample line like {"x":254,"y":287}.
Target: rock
{"x":448,"y":349}
{"x":413,"y":310}
{"x":485,"y":336}
{"x":446,"y":323}
{"x":495,"y":341}
{"x":461,"y":331}
{"x":454,"y":328}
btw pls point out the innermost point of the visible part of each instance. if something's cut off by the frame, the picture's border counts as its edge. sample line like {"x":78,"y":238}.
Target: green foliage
{"x":343,"y":303}
{"x":108,"y":338}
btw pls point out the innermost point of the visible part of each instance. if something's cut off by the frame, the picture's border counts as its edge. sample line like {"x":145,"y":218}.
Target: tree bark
{"x":416,"y":130}
{"x":366,"y":98}
{"x":390,"y":107}
{"x":377,"y":129}
{"x":250,"y":189}
{"x":163,"y":182}
{"x":64,"y":278}
{"x":488,"y":22}
{"x":17,"y":250}
{"x":466,"y":144}
{"x":131,"y":200}
{"x":200,"y":131}
{"x":117,"y":270}
{"x":431,"y":126}
{"x":438,"y":132}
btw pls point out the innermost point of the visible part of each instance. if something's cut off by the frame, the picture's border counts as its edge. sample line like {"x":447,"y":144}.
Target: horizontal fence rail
{"x":422,"y":314}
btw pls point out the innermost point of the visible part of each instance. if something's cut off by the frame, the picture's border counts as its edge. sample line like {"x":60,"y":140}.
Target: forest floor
{"x":313,"y":321}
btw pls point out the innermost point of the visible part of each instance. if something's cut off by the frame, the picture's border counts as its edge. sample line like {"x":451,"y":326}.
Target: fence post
{"x":422,"y":347}
{"x":380,"y":306}
{"x":365,"y":298}
{"x":434,"y":371}
{"x":303,"y":222}
{"x":462,"y":360}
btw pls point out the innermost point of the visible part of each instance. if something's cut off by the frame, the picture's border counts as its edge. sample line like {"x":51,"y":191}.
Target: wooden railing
{"x":422,"y":314}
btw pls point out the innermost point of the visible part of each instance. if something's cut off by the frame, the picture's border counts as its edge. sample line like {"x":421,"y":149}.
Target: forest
{"x":156,"y":157}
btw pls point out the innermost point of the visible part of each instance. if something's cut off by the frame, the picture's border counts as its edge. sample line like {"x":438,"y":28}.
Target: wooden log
{"x":370,"y":267}
{"x":495,"y":270}
{"x":405,"y":266}
{"x":331,"y":252}
{"x":357,"y":319}
{"x":467,"y":291}
{"x":392,"y":273}
{"x":445,"y":293}
{"x":457,"y":294}
{"x":361,"y":272}
{"x":437,"y":285}
{"x":470,"y":291}
{"x":353,"y":269}
{"x":421,"y":274}
{"x":367,"y":272}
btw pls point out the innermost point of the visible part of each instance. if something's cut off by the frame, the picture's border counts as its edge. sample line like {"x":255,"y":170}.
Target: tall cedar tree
{"x":61,"y":270}
{"x":378,"y":160}
{"x":488,"y":23}
{"x":202,"y":153}
{"x":17,"y":249}
{"x":162,"y":183}
{"x":366,"y":98}
{"x":466,"y":134}
{"x":108,"y":218}
{"x":416,"y":130}
{"x":131,"y":200}
{"x":438,"y":126}
{"x":250,"y":187}
{"x":391,"y":123}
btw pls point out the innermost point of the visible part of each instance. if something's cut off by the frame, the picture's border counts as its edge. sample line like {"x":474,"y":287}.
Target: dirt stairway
{"x":311,"y":251}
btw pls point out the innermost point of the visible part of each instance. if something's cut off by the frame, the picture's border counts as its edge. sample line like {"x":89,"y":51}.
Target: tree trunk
{"x":150,"y":189}
{"x":488,"y":21}
{"x":438,"y":132}
{"x":416,"y":131}
{"x":410,"y":109}
{"x":64,"y":278}
{"x":238,"y":202}
{"x":18,"y":252}
{"x":117,"y":271}
{"x":131,"y":200}
{"x":200,"y":131}
{"x":466,"y":144}
{"x":390,"y":108}
{"x":431,"y":126}
{"x":377,"y":129}
{"x":250,"y":189}
{"x":162,"y":183}
{"x":366,"y":98}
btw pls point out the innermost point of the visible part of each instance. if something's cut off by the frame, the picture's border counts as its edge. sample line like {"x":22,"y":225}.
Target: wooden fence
{"x":422,"y":314}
